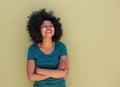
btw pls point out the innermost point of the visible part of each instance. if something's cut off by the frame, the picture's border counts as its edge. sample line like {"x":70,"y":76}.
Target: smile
{"x":49,"y":31}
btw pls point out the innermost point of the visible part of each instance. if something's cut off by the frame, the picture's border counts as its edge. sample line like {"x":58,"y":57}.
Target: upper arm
{"x":64,"y":54}
{"x":30,"y":68}
{"x":64,"y":64}
{"x":30,"y":61}
{"x":63,"y":50}
{"x":65,"y":57}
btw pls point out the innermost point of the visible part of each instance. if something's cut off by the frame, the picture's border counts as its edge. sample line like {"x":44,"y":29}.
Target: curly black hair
{"x":35,"y":21}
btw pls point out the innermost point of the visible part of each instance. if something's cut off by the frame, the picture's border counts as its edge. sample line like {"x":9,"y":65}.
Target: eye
{"x":45,"y":26}
{"x":51,"y":26}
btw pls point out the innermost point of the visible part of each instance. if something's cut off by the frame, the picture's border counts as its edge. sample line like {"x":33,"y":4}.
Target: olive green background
{"x":91,"y":33}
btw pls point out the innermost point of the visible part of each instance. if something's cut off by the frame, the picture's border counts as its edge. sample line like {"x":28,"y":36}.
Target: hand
{"x":63,"y":64}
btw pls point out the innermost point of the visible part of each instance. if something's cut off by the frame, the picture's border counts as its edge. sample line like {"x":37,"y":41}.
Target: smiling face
{"x":47,"y":29}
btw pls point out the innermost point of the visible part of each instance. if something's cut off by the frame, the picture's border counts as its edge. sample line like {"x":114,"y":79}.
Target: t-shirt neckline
{"x":45,"y":53}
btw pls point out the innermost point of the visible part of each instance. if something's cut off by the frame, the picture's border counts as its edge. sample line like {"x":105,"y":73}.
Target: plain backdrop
{"x":91,"y":34}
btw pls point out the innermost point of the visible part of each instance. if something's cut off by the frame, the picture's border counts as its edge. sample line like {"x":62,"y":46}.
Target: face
{"x":47,"y":29}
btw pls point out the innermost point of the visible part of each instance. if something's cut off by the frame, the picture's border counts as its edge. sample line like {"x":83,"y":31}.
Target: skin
{"x":47,"y":46}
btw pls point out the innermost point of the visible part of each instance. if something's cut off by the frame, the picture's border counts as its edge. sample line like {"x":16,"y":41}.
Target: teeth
{"x":49,"y":31}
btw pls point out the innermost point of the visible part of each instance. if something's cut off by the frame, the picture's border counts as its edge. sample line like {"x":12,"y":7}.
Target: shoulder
{"x":62,"y":47}
{"x":32,"y":46}
{"x":60,"y":43}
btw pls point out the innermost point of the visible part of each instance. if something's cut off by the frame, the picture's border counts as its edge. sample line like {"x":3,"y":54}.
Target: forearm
{"x":60,"y":72}
{"x":37,"y":77}
{"x":53,"y":73}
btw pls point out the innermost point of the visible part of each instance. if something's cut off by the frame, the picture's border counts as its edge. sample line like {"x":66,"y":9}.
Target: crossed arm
{"x":34,"y":73}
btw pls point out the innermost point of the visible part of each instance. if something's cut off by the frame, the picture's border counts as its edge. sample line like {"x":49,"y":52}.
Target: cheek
{"x":42,"y":30}
{"x":53,"y":31}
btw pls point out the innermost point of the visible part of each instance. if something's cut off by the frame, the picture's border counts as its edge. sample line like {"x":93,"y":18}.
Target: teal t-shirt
{"x":49,"y":61}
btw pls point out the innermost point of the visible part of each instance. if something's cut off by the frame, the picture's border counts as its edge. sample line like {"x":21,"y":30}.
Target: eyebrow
{"x":45,"y":24}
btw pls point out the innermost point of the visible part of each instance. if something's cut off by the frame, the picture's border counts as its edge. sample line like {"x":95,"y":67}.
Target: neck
{"x":47,"y":42}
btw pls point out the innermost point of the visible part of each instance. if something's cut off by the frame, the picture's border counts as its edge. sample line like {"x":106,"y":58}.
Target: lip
{"x":48,"y":31}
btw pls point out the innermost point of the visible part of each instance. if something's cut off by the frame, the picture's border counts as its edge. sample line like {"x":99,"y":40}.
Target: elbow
{"x":30,"y":78}
{"x":65,"y":74}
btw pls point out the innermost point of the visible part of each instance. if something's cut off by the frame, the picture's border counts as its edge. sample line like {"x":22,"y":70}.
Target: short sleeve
{"x":63,"y":49}
{"x":30,"y":55}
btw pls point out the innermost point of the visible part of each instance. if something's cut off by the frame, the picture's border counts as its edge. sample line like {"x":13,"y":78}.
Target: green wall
{"x":91,"y":33}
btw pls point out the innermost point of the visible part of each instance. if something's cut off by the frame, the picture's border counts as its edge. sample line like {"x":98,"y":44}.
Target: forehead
{"x":46,"y":22}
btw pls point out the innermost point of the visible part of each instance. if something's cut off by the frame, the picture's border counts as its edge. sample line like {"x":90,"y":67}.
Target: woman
{"x":47,"y":61}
